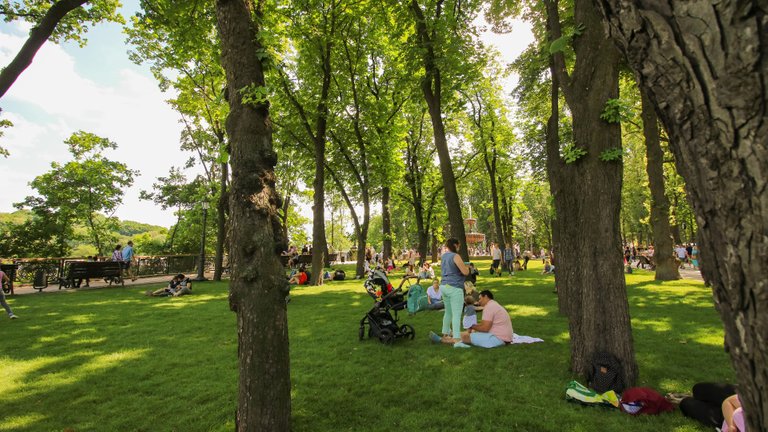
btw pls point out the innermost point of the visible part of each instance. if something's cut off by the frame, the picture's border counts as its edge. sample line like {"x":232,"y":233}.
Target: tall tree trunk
{"x":318,"y":214}
{"x":556,"y":176}
{"x":221,"y":222}
{"x":258,"y":287}
{"x":588,"y":204}
{"x":435,"y":247}
{"x":705,"y":67}
{"x":506,"y":214}
{"x":490,"y":166}
{"x":169,"y":244}
{"x":284,"y":214}
{"x":319,"y":243}
{"x":666,"y":266}
{"x":386,"y":223}
{"x":431,"y":86}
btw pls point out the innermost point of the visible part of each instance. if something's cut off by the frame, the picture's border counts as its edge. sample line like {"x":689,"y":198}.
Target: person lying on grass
{"x":177,"y":287}
{"x":494,"y":330}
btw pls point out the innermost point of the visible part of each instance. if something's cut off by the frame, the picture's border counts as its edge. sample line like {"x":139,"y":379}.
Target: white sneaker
{"x":12,"y":316}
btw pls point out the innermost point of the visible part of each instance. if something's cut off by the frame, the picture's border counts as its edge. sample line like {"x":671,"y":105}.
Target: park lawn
{"x":115,"y":360}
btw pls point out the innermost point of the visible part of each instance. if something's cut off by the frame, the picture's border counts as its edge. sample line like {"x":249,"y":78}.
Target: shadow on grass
{"x":116,"y":360}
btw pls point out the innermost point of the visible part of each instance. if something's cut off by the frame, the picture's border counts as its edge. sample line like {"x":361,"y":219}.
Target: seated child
{"x":390,"y":264}
{"x":300,"y":277}
{"x":177,"y":287}
{"x":470,"y":291}
{"x":548,"y":268}
{"x":470,"y":313}
{"x":517,"y":266}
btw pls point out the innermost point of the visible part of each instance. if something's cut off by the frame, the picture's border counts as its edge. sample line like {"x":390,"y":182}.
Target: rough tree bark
{"x":221,"y":222}
{"x":666,"y":265}
{"x":705,"y":67}
{"x":431,"y":86}
{"x":386,"y":223}
{"x":588,"y":200}
{"x":258,"y":287}
{"x":554,"y":165}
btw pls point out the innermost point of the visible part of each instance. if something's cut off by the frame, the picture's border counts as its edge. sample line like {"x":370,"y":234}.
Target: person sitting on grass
{"x":410,"y":271}
{"x":434,"y":296}
{"x":426,"y":271}
{"x":473,"y":274}
{"x":494,"y":330}
{"x":178,"y":286}
{"x":548,"y":268}
{"x":300,"y":277}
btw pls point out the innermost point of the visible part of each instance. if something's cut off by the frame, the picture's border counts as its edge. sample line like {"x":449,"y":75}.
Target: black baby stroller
{"x":381,"y":323}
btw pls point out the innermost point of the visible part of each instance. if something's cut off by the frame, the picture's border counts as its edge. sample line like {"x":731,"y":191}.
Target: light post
{"x":201,"y":263}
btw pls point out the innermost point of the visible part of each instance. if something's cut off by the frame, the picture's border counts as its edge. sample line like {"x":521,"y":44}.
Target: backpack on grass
{"x":606,"y":373}
{"x":339,"y":275}
{"x":417,"y":299}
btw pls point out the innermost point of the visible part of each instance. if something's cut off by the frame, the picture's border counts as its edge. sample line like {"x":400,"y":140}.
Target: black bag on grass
{"x":606,"y":373}
{"x":339,"y":275}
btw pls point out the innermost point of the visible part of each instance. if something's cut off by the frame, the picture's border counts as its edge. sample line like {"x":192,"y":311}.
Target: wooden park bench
{"x":304,"y":259}
{"x":110,"y":271}
{"x":643,"y":261}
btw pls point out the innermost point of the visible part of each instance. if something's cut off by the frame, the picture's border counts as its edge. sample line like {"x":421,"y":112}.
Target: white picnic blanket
{"x":517,"y":339}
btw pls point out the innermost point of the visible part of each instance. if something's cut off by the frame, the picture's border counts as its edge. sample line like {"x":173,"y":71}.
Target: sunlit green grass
{"x":115,"y":360}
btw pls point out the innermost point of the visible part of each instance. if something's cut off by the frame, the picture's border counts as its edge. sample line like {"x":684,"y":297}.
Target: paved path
{"x":99,"y":283}
{"x":689,"y":273}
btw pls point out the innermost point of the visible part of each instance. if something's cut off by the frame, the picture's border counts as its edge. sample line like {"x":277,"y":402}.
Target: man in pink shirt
{"x":495,"y":329}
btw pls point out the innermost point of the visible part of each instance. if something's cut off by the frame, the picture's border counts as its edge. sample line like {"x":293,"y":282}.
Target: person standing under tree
{"x":453,"y":275}
{"x":128,"y":259}
{"x":496,"y":256}
{"x":508,"y":258}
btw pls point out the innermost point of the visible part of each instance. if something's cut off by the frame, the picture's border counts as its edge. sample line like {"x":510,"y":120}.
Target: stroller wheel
{"x":408,"y":331}
{"x":386,"y":336}
{"x":361,"y":333}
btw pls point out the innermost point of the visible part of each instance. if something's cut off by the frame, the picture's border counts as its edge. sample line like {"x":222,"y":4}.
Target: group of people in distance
{"x":495,"y":327}
{"x":509,"y":259}
{"x":687,"y":253}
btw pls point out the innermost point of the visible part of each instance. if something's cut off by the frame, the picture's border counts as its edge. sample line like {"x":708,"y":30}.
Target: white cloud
{"x":51,"y":100}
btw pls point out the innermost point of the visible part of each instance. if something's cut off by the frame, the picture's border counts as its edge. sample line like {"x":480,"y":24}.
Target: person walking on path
{"x":5,"y":279}
{"x":128,"y":259}
{"x":453,"y":273}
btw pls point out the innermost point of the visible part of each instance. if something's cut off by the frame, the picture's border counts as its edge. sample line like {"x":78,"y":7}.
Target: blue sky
{"x":97,"y":89}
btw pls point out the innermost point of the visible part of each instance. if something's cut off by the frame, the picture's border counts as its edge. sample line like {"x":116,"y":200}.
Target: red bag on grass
{"x":644,"y":400}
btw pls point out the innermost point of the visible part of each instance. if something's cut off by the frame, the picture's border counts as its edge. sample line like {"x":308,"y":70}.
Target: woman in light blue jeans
{"x":453,"y":275}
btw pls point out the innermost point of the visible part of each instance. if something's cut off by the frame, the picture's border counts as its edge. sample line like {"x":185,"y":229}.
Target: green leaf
{"x":612,"y":154}
{"x":572,"y":153}
{"x":559,"y":44}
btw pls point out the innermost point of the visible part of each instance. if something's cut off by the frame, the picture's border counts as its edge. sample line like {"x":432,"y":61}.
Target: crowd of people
{"x":687,"y":254}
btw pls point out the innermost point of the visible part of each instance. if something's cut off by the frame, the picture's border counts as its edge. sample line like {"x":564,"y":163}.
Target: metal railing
{"x":155,"y":265}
